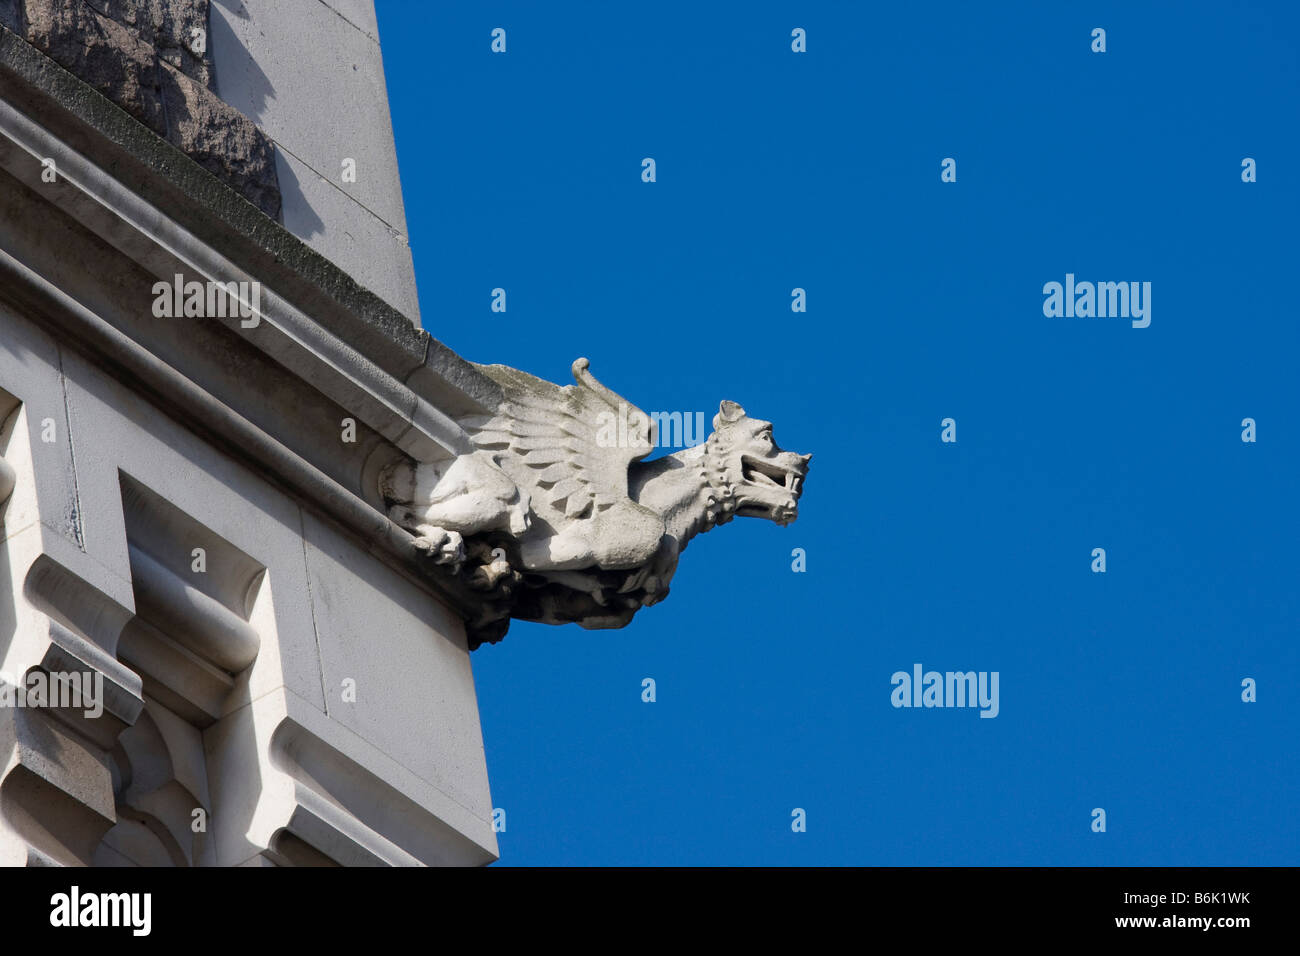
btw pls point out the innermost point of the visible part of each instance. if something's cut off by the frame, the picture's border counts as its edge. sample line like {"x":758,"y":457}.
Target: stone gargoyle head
{"x":760,"y":479}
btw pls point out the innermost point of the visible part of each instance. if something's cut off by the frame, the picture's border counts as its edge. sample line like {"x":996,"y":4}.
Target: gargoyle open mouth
{"x":770,"y":474}
{"x":770,"y":487}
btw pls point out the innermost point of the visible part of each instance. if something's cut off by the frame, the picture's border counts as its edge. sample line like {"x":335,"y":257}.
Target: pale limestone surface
{"x":276,"y":749}
{"x":311,"y":76}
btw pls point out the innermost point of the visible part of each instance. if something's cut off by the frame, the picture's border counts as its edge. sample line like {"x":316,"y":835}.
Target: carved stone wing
{"x":569,"y":446}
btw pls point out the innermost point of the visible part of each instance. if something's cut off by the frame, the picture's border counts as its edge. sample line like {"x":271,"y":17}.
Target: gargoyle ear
{"x":730,"y":412}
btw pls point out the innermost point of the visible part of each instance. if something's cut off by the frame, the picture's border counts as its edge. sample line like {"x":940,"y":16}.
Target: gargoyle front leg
{"x":439,"y":503}
{"x":440,"y":545}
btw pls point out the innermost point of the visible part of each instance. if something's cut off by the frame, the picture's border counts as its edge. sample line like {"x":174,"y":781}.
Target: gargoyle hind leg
{"x":441,"y":506}
{"x":441,"y":526}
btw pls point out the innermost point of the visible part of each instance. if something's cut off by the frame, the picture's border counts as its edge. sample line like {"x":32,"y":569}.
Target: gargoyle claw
{"x":442,"y":547}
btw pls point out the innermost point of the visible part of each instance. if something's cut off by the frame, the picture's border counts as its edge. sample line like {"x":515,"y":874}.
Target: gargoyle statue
{"x":556,"y":498}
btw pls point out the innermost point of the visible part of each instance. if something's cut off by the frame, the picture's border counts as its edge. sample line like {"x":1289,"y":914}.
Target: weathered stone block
{"x":100,"y":51}
{"x":139,"y":54}
{"x":220,"y":139}
{"x":169,"y":27}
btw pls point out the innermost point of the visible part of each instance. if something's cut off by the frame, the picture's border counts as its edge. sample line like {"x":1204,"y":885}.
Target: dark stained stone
{"x":102,"y":52}
{"x":167,"y":26}
{"x":138,"y":54}
{"x":220,"y":138}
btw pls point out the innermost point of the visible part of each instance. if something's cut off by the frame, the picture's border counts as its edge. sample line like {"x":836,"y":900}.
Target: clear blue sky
{"x":821,"y":170}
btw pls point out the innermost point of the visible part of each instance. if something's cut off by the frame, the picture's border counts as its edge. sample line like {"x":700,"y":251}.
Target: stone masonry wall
{"x":153,"y":59}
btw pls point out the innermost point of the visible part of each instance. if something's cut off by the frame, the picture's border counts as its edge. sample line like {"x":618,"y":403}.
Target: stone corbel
{"x":56,"y":786}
